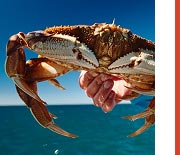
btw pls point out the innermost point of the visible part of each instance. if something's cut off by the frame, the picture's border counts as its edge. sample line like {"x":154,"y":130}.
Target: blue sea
{"x":99,"y":133}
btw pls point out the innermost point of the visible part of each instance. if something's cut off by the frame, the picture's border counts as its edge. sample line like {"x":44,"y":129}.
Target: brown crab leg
{"x":143,"y":114}
{"x":15,"y":64}
{"x":149,"y":115}
{"x":41,"y":69}
{"x":56,"y":83}
{"x":148,"y":123}
{"x":40,"y":112}
{"x":147,"y":112}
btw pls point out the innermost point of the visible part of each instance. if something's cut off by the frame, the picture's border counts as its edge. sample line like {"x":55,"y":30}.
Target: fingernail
{"x":107,"y":84}
{"x":96,"y":104}
{"x":106,"y":109}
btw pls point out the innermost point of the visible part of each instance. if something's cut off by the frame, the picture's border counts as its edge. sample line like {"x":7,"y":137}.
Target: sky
{"x":19,"y":16}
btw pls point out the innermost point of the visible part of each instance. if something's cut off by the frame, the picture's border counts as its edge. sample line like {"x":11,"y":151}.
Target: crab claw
{"x":41,"y":114}
{"x":62,"y":48}
{"x":148,"y":114}
{"x":16,"y":62}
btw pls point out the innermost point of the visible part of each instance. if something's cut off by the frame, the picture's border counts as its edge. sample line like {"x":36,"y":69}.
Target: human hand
{"x":105,"y":90}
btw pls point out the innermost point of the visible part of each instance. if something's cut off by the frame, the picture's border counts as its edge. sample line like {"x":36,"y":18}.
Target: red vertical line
{"x":177,"y":77}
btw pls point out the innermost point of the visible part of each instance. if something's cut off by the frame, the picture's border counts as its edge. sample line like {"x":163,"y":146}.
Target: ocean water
{"x":99,"y":133}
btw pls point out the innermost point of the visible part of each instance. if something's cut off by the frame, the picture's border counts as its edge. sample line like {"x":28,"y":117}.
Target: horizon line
{"x":63,"y":104}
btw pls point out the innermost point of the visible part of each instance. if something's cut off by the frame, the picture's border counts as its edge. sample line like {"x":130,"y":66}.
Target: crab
{"x":101,"y":47}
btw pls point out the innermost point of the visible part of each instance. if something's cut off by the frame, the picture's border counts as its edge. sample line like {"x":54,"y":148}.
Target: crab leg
{"x":140,"y":115}
{"x":55,"y":83}
{"x":148,"y":123}
{"x":149,"y":115}
{"x":40,"y":112}
{"x":41,"y":69}
{"x":15,"y":64}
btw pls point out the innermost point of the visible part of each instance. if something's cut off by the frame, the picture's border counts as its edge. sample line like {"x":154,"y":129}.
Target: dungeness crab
{"x":104,"y":48}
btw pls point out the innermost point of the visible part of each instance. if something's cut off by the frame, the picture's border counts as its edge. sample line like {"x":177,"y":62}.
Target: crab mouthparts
{"x":63,"y":48}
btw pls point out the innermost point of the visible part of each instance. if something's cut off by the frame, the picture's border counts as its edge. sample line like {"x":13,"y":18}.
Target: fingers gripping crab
{"x":103,"y":48}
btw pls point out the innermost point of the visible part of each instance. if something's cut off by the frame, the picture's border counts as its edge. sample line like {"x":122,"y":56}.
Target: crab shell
{"x":104,"y":48}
